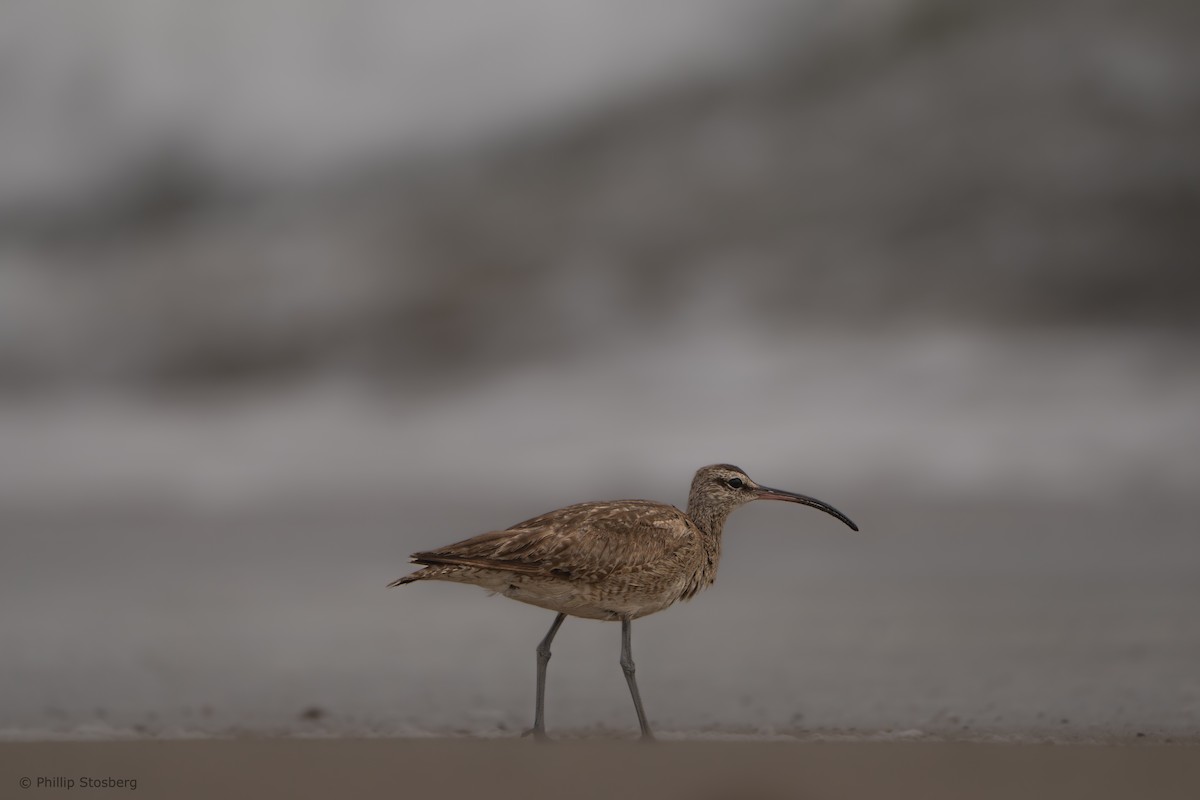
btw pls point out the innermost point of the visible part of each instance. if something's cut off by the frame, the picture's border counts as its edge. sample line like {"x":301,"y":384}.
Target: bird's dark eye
{"x":735,"y":483}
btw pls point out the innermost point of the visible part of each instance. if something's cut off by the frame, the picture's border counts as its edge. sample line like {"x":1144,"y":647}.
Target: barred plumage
{"x":615,"y":560}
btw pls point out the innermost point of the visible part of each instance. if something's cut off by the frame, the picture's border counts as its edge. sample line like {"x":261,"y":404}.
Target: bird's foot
{"x":538,"y":734}
{"x":647,"y":736}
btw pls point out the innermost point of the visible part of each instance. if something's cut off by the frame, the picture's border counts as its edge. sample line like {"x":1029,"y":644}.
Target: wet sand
{"x":452,"y":768}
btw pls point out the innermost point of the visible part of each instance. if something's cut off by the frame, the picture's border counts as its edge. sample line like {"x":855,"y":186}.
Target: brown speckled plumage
{"x":625,"y":558}
{"x":615,"y":560}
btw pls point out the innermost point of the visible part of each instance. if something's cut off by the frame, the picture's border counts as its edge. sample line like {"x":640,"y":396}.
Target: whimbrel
{"x":617,"y":560}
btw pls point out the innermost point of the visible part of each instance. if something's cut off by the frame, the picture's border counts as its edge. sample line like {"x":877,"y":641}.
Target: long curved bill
{"x":767,"y":493}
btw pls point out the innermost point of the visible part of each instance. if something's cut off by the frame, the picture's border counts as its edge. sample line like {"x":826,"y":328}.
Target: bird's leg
{"x":543,"y":658}
{"x":628,"y":668}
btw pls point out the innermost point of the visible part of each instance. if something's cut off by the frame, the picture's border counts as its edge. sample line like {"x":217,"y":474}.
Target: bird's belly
{"x":591,"y":601}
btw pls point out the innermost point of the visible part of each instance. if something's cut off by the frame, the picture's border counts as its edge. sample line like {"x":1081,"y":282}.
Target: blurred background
{"x":291,"y":290}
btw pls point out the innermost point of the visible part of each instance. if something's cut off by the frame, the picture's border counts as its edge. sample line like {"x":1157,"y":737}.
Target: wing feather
{"x":586,"y":541}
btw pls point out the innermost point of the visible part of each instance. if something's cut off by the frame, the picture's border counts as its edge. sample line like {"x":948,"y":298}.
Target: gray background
{"x":288,"y":291}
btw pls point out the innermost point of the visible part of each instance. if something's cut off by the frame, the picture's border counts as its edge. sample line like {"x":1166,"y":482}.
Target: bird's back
{"x":600,"y":560}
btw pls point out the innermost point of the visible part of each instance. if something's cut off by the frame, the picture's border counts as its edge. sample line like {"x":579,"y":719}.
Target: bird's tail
{"x":416,"y":576}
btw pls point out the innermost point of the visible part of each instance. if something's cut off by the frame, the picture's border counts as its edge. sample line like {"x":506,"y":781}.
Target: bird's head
{"x":720,"y":488}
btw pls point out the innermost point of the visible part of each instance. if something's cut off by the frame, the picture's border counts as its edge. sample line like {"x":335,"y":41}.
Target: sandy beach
{"x":289,"y":292}
{"x":452,"y":768}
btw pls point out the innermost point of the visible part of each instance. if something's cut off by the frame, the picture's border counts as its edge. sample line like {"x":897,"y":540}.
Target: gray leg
{"x":543,"y":658}
{"x":628,"y":668}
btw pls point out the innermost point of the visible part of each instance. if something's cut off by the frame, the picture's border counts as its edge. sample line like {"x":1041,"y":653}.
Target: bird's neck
{"x":709,"y":519}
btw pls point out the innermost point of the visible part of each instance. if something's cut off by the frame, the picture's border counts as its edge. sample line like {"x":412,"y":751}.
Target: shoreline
{"x":91,"y":734}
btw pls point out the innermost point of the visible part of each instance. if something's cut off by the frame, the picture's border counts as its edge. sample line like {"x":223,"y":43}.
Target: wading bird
{"x":617,"y":560}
